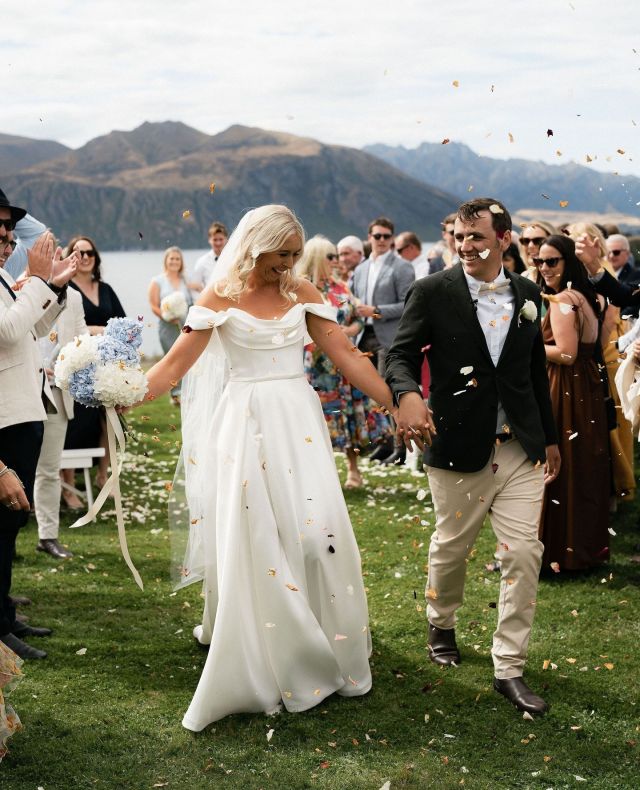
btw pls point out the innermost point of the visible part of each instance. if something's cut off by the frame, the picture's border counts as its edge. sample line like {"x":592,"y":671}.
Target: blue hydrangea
{"x":81,"y":386}
{"x":125,"y":330}
{"x":112,"y":350}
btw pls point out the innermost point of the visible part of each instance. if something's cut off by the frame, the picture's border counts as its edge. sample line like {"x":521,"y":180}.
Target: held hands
{"x":552,"y":464}
{"x":588,"y":253}
{"x":63,"y":269}
{"x":414,"y":421}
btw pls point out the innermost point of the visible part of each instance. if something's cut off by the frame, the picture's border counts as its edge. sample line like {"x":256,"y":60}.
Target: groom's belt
{"x":503,"y":438}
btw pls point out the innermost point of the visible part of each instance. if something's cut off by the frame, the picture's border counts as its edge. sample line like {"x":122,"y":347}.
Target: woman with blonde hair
{"x":170,"y":299}
{"x":353,"y":423}
{"x":285,"y":610}
{"x":533,"y":234}
{"x":621,"y":437}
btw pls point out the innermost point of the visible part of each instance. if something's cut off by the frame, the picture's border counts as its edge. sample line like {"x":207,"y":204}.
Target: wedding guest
{"x":24,"y":312}
{"x":496,"y":443}
{"x":381,"y":283}
{"x":354,"y":423}
{"x":170,"y":299}
{"x":100,"y":303}
{"x":350,"y":254}
{"x":443,"y":255}
{"x":575,"y":514}
{"x":205,"y":265}
{"x":409,"y":247}
{"x":69,"y":324}
{"x":512,"y":261}
{"x":531,"y":237}
{"x":620,"y":435}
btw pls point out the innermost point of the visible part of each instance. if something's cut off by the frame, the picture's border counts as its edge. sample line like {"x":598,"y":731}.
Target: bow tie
{"x":494,"y":287}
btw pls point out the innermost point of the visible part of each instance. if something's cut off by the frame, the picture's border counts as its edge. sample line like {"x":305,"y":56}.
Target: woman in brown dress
{"x":575,"y":514}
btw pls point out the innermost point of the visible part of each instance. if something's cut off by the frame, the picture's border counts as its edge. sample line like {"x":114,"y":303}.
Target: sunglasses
{"x":615,"y":253}
{"x":400,"y":250}
{"x":7,"y":224}
{"x":332,"y":257}
{"x":551,"y":262}
{"x":537,"y":241}
{"x":378,"y":236}
{"x":86,"y":253}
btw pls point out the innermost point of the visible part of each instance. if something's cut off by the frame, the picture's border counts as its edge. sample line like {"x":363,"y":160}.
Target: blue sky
{"x":347,"y":71}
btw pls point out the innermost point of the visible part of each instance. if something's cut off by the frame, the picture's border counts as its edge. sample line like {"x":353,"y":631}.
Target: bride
{"x":285,"y":610}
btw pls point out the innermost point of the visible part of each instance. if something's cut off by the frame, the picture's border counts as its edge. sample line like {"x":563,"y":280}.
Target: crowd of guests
{"x":367,"y":281}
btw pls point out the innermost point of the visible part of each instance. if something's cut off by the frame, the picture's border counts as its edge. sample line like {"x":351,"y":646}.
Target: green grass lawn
{"x":110,"y":717}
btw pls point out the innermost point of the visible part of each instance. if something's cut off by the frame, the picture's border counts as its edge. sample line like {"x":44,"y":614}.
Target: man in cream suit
{"x":24,"y":314}
{"x":70,"y":324}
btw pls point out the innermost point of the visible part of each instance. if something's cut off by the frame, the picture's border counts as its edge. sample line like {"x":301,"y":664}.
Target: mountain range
{"x":518,"y":183}
{"x":163,"y":183}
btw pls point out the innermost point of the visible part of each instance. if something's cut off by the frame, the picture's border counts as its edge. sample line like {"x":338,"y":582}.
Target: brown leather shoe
{"x":52,"y":547}
{"x":520,"y":695}
{"x":20,"y":600}
{"x":442,"y":646}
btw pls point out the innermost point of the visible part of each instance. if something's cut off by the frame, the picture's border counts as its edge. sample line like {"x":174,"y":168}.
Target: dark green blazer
{"x":440,"y":318}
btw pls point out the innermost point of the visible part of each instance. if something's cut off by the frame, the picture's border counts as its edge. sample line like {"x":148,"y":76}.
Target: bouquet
{"x":174,"y":307}
{"x":104,"y":370}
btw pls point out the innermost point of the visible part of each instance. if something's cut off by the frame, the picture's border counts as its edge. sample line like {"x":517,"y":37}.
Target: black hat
{"x":16,"y":213}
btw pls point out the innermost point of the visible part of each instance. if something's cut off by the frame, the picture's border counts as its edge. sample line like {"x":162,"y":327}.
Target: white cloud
{"x":343,"y":71}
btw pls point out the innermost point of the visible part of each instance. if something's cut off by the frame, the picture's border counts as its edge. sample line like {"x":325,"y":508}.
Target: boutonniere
{"x":528,"y":312}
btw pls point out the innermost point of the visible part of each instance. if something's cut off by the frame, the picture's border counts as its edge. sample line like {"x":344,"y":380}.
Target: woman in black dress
{"x":100,"y":303}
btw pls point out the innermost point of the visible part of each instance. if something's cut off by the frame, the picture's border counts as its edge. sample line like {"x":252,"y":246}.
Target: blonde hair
{"x":168,"y":252}
{"x":314,"y":265}
{"x":547,"y":227}
{"x":267,"y":230}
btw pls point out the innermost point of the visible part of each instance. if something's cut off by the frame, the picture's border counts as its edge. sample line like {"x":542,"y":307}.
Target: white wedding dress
{"x":285,"y":609}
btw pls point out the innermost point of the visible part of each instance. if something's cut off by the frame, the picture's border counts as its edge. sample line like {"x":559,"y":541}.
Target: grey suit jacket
{"x":391,"y":288}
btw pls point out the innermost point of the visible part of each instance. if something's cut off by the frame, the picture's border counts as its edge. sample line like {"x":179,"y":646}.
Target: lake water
{"x":129,"y":274}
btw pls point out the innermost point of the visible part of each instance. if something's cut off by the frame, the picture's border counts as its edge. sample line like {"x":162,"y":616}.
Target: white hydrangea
{"x":119,"y":385}
{"x":174,"y":307}
{"x":77,"y":354}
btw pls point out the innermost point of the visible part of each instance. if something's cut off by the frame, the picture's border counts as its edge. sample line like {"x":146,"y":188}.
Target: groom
{"x":491,"y":438}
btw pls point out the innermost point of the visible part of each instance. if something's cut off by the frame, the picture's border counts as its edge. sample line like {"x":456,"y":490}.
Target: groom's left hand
{"x":552,"y":464}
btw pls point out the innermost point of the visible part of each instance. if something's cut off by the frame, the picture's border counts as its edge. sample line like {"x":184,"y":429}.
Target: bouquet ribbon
{"x":115,"y":439}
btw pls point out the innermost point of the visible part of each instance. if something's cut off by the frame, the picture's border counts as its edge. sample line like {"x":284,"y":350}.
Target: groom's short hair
{"x":500,"y":217}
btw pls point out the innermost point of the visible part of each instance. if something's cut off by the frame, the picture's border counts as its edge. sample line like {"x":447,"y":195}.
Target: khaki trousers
{"x":46,"y":492}
{"x":512,"y":496}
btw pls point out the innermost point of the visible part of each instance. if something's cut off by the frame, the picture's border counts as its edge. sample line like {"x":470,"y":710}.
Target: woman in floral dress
{"x":354,"y":423}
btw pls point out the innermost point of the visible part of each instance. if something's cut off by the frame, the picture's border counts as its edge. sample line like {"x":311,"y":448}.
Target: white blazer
{"x":21,"y":373}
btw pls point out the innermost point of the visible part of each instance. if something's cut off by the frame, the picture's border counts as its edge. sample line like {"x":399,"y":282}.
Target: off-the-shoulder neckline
{"x":256,"y":318}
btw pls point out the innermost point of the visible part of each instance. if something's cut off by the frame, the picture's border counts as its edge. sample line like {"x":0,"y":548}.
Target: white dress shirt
{"x":375,"y":265}
{"x":495,"y":313}
{"x":204,"y":268}
{"x":421,"y":266}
